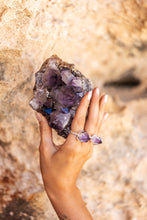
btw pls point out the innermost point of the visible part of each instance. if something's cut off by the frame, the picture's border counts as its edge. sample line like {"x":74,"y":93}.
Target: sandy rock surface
{"x":107,"y":41}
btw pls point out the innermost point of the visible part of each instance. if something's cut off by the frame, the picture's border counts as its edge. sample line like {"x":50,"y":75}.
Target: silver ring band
{"x":73,"y":132}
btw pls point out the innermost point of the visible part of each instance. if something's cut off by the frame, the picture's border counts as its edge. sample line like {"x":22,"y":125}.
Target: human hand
{"x":61,"y":165}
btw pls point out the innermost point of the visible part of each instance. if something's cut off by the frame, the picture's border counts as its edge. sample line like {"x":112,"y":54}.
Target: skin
{"x":61,"y":165}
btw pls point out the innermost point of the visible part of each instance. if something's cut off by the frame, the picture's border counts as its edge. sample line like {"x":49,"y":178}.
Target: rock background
{"x":107,"y":41}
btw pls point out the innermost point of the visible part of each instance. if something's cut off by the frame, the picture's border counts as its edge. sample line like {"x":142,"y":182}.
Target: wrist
{"x":62,"y":194}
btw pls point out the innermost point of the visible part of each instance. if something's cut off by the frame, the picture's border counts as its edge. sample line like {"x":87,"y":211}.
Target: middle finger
{"x":93,"y":113}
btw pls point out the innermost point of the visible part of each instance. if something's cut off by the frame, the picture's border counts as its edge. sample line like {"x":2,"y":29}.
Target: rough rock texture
{"x":59,"y":88}
{"x":107,"y":41}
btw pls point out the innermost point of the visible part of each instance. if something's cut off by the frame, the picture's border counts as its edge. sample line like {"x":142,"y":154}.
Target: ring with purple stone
{"x":95,"y":139}
{"x":83,"y":136}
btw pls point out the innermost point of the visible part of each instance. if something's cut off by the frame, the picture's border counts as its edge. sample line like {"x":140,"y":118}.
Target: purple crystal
{"x":83,"y":137}
{"x":39,"y":82}
{"x":66,"y":96}
{"x":58,"y":90}
{"x":64,"y":110}
{"x":48,"y":103}
{"x":96,"y":140}
{"x":35,"y":104}
{"x":59,"y":120}
{"x":67,"y":76}
{"x":51,"y":78}
{"x":76,"y":83}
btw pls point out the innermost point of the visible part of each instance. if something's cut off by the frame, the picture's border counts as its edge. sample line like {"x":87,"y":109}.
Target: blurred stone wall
{"x":107,"y":41}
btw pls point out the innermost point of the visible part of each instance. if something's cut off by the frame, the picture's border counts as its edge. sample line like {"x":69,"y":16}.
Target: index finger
{"x":80,"y":116}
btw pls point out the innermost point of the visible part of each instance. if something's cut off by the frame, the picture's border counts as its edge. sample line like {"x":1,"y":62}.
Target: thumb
{"x":45,"y":133}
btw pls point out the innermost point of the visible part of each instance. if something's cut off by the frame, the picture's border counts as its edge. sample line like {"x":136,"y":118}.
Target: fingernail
{"x":38,"y":116}
{"x":106,"y":98}
{"x":89,"y":95}
{"x":106,"y":116}
{"x":97,"y":91}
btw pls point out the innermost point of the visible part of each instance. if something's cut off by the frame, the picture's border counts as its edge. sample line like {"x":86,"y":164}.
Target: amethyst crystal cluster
{"x":58,"y":90}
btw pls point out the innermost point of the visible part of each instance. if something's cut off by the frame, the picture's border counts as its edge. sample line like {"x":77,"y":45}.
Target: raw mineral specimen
{"x":58,"y":90}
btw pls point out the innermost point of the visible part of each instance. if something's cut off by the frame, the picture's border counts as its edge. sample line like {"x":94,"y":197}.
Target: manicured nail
{"x":106,"y":98}
{"x":97,"y":91}
{"x":38,"y":116}
{"x":106,"y":116}
{"x":89,"y":95}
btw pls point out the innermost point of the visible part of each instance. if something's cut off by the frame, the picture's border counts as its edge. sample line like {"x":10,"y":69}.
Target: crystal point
{"x":96,"y":140}
{"x":83,"y":137}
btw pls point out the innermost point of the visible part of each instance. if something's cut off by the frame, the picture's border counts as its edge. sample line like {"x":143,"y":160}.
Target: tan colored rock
{"x":107,"y":41}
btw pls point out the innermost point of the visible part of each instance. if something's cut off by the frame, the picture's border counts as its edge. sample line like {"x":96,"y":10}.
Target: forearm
{"x":69,"y":205}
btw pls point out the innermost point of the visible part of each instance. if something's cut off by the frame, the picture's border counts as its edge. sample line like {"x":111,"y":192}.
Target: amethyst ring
{"x":83,"y":136}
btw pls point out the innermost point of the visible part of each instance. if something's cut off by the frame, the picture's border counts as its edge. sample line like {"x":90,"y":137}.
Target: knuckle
{"x":74,"y":151}
{"x":42,"y":149}
{"x":77,"y":123}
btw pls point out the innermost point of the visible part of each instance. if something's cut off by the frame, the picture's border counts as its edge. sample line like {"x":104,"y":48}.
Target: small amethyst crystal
{"x":83,"y":137}
{"x":96,"y":140}
{"x":58,"y":90}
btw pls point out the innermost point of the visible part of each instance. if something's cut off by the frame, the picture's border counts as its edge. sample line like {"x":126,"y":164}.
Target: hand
{"x":61,"y":165}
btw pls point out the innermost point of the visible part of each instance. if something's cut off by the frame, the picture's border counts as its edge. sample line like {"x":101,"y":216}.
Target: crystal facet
{"x":83,"y":136}
{"x":96,"y":140}
{"x":58,"y":121}
{"x":58,"y":90}
{"x":67,"y":76}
